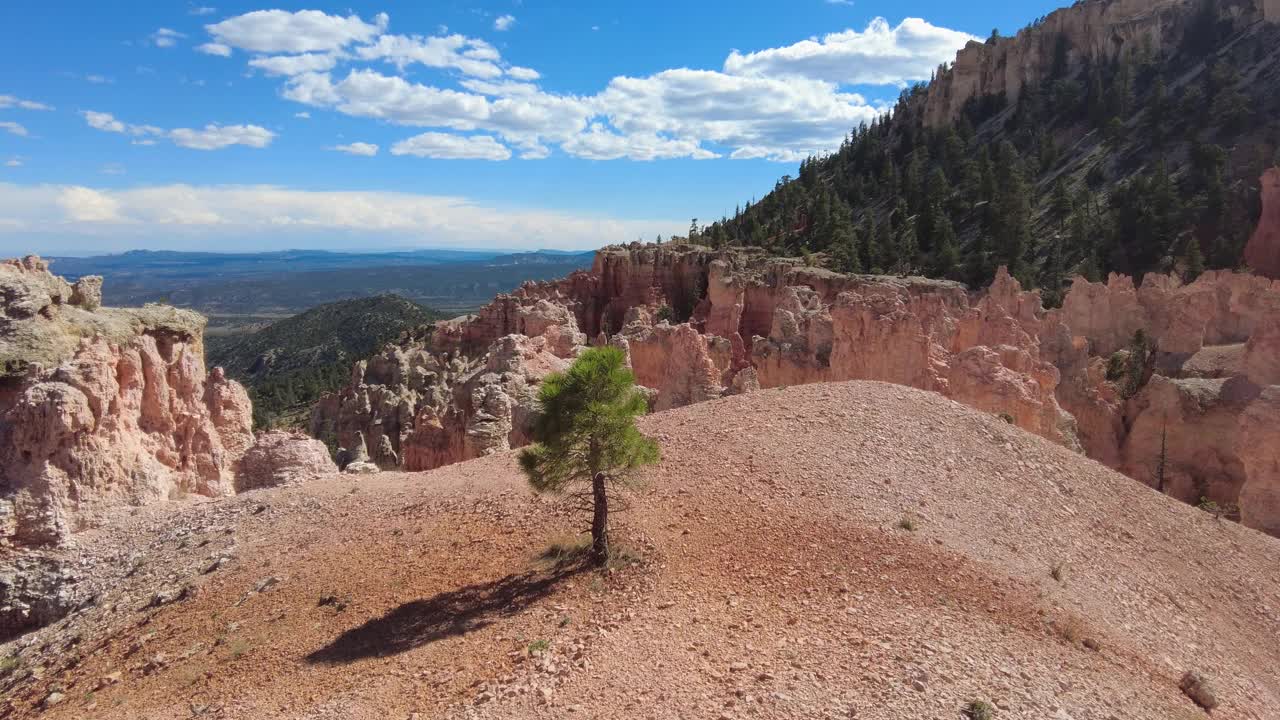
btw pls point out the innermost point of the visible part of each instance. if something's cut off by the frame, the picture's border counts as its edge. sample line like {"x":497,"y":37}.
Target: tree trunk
{"x":600,"y":521}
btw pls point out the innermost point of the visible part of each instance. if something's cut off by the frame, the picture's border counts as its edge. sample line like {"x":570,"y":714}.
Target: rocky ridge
{"x":837,"y":550}
{"x":102,"y":407}
{"x":754,"y":322}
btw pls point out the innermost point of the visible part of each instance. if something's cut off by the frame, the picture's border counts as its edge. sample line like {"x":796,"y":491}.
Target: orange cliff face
{"x":699,"y":324}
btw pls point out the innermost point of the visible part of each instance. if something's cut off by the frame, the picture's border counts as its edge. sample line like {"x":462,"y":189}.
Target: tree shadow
{"x":448,"y":614}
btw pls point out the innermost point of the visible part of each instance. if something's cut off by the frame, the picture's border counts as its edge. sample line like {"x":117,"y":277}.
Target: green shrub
{"x":980,"y":710}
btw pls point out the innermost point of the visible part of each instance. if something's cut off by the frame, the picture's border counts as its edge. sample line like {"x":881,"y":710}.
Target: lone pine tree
{"x":587,"y":443}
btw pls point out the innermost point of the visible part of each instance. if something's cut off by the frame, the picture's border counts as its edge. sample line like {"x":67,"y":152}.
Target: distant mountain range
{"x":274,"y":284}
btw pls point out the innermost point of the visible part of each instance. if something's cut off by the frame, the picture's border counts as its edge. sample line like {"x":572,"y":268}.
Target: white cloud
{"x":202,"y":10}
{"x":365,"y":93}
{"x":294,"y":64}
{"x":879,"y":55}
{"x":215,"y":137}
{"x":213,"y":48}
{"x":13,"y":162}
{"x":99,"y":79}
{"x":357,"y":148}
{"x":279,"y":31}
{"x":82,"y":204}
{"x":788,"y":116}
{"x":304,"y":115}
{"x":13,"y":128}
{"x":40,"y":216}
{"x":112,"y":169}
{"x":469,"y":56}
{"x":211,"y":137}
{"x":166,"y":38}
{"x":523,"y":73}
{"x":599,"y":143}
{"x":504,"y":23}
{"x":781,"y":104}
{"x":9,"y":101}
{"x":444,"y":146}
{"x":103,"y":121}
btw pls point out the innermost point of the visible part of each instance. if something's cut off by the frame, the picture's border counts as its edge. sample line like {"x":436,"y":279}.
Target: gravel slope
{"x":778,"y":579}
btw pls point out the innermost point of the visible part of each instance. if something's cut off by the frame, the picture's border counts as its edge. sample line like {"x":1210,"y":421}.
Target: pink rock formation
{"x":104,"y":406}
{"x":279,"y":458}
{"x":753,"y":322}
{"x":1263,"y":251}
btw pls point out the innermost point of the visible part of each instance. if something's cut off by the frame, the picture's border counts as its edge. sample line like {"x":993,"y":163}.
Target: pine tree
{"x":587,"y":440}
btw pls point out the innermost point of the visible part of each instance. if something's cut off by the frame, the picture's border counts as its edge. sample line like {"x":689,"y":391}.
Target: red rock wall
{"x":759,"y":322}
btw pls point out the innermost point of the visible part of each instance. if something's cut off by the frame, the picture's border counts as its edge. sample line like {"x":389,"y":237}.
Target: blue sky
{"x":514,"y":124}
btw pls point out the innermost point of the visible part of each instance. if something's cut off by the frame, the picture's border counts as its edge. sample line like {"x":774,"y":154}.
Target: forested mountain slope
{"x":1115,"y":135}
{"x":287,"y":365}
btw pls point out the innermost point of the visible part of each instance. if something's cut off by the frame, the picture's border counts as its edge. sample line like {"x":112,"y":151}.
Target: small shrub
{"x":564,"y":621}
{"x":1116,"y":365}
{"x":567,"y":551}
{"x":980,"y":710}
{"x":1209,"y":506}
{"x":1070,"y":628}
{"x":9,"y":664}
{"x":665,"y":314}
{"x":1007,"y":418}
{"x":1059,"y":572}
{"x":907,"y":523}
{"x":239,"y":648}
{"x":537,"y":647}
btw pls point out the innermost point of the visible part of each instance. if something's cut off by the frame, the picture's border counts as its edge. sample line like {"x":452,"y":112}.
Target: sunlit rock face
{"x":698,"y":324}
{"x":105,"y":406}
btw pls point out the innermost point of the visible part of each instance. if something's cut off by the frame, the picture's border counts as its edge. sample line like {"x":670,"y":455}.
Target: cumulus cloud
{"x":211,"y":137}
{"x":82,"y":204}
{"x":469,"y":56}
{"x":215,"y":137}
{"x":780,"y":104}
{"x":358,"y":148}
{"x":13,"y":128}
{"x":444,"y":146}
{"x":9,"y":101}
{"x":36,"y":217}
{"x":103,"y":121}
{"x":504,"y":23}
{"x":879,"y":55}
{"x":523,"y":73}
{"x":599,"y":143}
{"x":166,"y":38}
{"x":213,"y":48}
{"x":294,"y":64}
{"x":280,"y":31}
